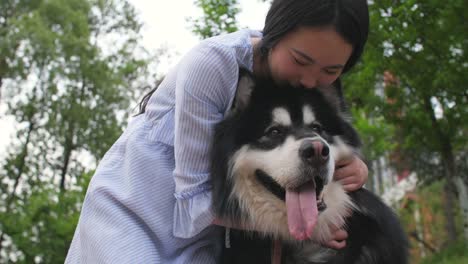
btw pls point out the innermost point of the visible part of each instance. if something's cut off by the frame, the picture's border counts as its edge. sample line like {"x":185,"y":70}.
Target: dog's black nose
{"x":314,"y":151}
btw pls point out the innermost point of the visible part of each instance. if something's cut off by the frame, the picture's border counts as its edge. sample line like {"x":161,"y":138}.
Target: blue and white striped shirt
{"x":149,"y":200}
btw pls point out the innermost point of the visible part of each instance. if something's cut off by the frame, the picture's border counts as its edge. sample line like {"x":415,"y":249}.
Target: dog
{"x":272,"y":163}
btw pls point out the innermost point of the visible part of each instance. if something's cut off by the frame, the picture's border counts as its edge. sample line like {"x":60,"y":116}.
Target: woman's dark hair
{"x":350,"y":19}
{"x":144,"y":101}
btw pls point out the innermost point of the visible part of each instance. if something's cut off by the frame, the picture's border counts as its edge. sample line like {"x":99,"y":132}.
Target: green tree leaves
{"x":68,"y":71}
{"x":417,"y":49}
{"x":219,"y":16}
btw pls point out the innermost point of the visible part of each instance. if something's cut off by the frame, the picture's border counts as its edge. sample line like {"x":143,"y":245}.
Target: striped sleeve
{"x":206,"y":81}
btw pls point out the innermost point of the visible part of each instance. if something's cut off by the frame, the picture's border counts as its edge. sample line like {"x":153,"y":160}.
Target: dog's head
{"x":273,"y":154}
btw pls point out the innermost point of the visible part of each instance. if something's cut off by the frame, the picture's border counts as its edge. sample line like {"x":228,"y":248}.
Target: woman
{"x":149,"y":200}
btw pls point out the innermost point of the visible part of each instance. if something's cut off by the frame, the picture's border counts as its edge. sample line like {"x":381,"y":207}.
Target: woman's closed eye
{"x":331,"y":72}
{"x":299,"y":61}
{"x":305,"y":63}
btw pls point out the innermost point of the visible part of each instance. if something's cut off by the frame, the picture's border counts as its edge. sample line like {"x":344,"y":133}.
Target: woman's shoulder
{"x":237,"y":39}
{"x":233,"y":48}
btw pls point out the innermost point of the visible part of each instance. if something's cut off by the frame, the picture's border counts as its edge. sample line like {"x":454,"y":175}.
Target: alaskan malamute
{"x":273,"y":158}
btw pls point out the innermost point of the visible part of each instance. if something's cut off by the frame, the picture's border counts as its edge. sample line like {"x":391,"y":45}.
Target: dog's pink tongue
{"x":301,"y":206}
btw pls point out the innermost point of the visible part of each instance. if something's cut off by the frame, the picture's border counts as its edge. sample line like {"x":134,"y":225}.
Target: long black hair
{"x":144,"y":101}
{"x":350,"y":19}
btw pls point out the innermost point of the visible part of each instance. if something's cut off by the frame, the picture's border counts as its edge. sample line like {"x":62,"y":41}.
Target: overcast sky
{"x":165,"y":21}
{"x":164,"y":24}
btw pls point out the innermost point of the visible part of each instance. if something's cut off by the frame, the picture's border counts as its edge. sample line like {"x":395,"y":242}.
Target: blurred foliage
{"x":41,"y":228}
{"x":454,"y":254}
{"x":219,"y":16}
{"x":412,"y":80}
{"x":422,"y":45}
{"x":420,"y":213}
{"x":68,"y":71}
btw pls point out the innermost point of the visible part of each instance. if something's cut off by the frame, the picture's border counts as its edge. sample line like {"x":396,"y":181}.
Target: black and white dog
{"x":273,"y":158}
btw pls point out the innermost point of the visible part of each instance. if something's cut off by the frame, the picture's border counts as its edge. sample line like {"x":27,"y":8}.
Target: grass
{"x":455,"y":254}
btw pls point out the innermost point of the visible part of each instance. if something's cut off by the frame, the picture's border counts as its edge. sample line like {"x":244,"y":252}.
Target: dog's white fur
{"x":281,"y":116}
{"x":309,"y":115}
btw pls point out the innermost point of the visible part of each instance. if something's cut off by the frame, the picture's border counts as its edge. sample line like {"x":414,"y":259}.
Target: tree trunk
{"x":448,"y":163}
{"x":463,"y":198}
{"x":448,"y":205}
{"x":66,"y":155}
{"x":419,"y":234}
{"x":375,"y":177}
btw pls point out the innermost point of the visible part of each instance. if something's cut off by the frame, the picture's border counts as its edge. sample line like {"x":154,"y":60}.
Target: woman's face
{"x":309,"y":57}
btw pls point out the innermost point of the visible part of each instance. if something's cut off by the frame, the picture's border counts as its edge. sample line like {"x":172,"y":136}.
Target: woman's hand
{"x":352,"y":173}
{"x":338,"y":241}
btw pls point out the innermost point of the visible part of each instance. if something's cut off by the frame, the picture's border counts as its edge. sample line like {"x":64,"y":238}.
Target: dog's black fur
{"x":375,"y":234}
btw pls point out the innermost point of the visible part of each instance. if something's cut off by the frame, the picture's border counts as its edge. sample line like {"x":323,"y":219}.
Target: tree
{"x":68,"y":70}
{"x":219,"y":16}
{"x":423,"y":44}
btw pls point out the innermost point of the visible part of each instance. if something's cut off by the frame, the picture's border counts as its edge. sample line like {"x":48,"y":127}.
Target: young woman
{"x":149,"y":200}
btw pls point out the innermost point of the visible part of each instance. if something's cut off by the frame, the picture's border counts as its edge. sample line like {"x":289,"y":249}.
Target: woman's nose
{"x":310,"y":77}
{"x":309,"y":81}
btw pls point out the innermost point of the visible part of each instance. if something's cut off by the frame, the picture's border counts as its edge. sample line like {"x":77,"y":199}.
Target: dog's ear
{"x":244,"y":90}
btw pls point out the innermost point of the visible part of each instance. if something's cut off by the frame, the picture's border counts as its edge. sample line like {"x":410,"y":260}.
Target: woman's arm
{"x":202,"y":93}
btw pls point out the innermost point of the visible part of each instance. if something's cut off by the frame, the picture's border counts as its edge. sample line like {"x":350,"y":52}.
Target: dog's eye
{"x":316,"y":127}
{"x":274,"y":132}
